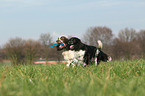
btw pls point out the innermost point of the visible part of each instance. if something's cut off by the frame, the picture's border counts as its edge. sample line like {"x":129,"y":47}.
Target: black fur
{"x":90,"y":51}
{"x":102,"y":57}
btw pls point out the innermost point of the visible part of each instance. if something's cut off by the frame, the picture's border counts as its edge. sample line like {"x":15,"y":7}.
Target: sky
{"x":28,"y":19}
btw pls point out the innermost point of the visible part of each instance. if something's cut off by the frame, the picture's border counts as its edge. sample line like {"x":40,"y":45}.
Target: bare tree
{"x":31,"y":49}
{"x":1,"y":55}
{"x":125,"y":46}
{"x":94,"y":34}
{"x":141,"y":41}
{"x":14,"y":49}
{"x":127,"y":35}
{"x":125,"y":50}
{"x":46,"y":39}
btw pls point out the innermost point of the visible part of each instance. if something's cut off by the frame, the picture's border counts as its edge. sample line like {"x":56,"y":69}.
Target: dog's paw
{"x":96,"y":64}
{"x":109,"y":59}
{"x":67,"y":65}
{"x":73,"y":65}
{"x":84,"y":65}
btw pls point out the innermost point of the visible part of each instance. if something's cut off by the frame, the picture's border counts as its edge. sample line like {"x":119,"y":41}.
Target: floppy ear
{"x":77,"y":44}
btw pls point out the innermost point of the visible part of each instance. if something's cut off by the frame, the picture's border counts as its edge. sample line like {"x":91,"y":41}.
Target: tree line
{"x":129,"y":44}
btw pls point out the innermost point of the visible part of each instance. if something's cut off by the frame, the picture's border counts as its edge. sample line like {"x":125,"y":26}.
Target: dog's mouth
{"x":61,"y":46}
{"x":72,"y":47}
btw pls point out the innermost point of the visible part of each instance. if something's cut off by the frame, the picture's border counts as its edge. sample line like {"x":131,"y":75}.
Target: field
{"x":116,"y":78}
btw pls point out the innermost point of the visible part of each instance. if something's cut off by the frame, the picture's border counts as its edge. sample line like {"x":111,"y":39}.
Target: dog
{"x":91,"y":52}
{"x":73,"y":58}
{"x":64,"y":40}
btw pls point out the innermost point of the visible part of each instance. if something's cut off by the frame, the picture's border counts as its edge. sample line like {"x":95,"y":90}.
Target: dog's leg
{"x":84,"y":65}
{"x":73,"y":65}
{"x":68,"y":63}
{"x":89,"y":61}
{"x":109,"y":59}
{"x":84,"y":62}
{"x":96,"y":61}
{"x":96,"y":57}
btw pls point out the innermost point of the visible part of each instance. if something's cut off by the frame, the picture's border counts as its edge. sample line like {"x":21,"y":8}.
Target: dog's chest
{"x":73,"y":55}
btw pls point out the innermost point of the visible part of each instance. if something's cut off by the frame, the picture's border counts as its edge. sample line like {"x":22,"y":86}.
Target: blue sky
{"x":29,"y":18}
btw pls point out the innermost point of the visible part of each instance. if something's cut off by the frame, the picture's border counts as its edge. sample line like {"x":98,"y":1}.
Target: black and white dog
{"x":91,"y":52}
{"x":73,"y":57}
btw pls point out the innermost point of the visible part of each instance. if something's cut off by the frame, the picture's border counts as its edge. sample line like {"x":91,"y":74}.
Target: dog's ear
{"x":64,"y":39}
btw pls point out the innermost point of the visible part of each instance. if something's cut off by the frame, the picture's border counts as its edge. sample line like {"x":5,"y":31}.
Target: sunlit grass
{"x":118,"y":78}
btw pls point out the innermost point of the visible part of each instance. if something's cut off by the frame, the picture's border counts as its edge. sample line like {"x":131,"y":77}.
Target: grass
{"x":7,"y":63}
{"x":118,"y":78}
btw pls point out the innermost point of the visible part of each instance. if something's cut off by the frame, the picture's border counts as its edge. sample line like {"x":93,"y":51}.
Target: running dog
{"x":73,"y":58}
{"x":91,"y":52}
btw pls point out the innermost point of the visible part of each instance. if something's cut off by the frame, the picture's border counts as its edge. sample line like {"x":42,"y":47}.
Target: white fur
{"x":95,"y":61}
{"x":97,"y":52}
{"x":73,"y":58}
{"x":109,"y":59}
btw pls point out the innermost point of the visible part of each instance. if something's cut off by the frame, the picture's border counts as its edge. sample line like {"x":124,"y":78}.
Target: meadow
{"x":116,"y":78}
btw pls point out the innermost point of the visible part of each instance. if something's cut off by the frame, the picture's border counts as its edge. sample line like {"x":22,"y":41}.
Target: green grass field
{"x":116,"y":78}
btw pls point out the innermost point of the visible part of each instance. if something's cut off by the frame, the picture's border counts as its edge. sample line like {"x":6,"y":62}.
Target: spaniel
{"x":91,"y":52}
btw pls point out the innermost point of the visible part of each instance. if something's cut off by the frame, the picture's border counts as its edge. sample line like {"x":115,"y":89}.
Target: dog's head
{"x":63,"y":40}
{"x":74,"y":43}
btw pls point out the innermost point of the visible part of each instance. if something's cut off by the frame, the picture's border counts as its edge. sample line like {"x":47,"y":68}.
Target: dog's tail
{"x":100,"y":45}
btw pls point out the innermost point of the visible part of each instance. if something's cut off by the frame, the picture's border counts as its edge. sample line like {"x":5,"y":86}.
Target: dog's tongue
{"x":61,"y":46}
{"x":72,"y":46}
